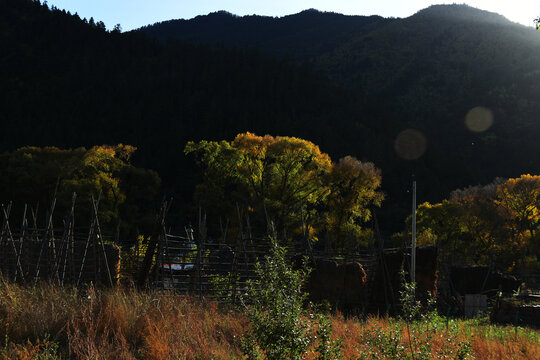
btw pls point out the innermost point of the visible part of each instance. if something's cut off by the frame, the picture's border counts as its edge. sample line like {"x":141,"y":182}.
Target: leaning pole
{"x":413,"y":242}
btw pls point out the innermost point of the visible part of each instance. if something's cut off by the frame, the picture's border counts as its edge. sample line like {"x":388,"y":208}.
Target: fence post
{"x":44,"y":240}
{"x":166,"y":242}
{"x":21,"y":240}
{"x":199,"y":265}
{"x":9,"y":236}
{"x":87,"y":244}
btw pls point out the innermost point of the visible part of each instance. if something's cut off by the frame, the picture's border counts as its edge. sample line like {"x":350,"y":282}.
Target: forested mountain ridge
{"x":424,"y":72}
{"x":68,"y":82}
{"x":301,"y":36}
{"x":333,"y":40}
{"x":444,"y":48}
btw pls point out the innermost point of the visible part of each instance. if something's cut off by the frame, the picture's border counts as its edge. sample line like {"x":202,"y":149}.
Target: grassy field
{"x":48,"y":322}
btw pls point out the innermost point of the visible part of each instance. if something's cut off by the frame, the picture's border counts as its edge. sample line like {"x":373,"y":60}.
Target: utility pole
{"x":413,"y":245}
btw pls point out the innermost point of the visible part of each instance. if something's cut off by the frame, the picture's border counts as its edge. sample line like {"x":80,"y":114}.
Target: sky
{"x":132,"y":14}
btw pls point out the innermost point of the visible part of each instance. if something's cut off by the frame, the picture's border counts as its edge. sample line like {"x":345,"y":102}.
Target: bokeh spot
{"x":479,"y":119}
{"x":410,"y":144}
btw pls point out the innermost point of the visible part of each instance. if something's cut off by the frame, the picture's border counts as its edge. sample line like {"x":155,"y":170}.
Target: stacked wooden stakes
{"x":59,"y":256}
{"x":182,"y":263}
{"x":211,"y":269}
{"x":197,"y":266}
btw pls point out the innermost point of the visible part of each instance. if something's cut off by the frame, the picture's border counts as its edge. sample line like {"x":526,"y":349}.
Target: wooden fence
{"x":67,"y":255}
{"x":222,"y":270}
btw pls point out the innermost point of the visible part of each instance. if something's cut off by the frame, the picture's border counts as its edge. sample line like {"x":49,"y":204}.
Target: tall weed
{"x":280,"y":327}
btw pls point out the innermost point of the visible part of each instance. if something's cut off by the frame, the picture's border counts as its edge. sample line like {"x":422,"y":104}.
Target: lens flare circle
{"x":410,"y":144}
{"x":479,"y":119}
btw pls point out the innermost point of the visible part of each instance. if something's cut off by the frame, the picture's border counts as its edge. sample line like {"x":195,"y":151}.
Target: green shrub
{"x":327,"y":349}
{"x":280,"y":328}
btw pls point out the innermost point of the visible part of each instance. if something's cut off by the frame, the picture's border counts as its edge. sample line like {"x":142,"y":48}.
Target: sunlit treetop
{"x":497,"y":222}
{"x":287,"y":178}
{"x":33,"y":175}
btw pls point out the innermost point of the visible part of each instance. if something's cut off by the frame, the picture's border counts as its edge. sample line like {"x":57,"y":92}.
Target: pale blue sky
{"x":132,"y":14}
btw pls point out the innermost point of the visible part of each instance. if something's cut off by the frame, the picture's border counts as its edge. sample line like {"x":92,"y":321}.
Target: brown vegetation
{"x":127,"y":324}
{"x":116,"y":324}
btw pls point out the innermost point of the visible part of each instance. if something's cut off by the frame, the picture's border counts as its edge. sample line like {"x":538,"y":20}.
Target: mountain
{"x":301,"y":36}
{"x":424,"y":72}
{"x":67,"y":82}
{"x":340,"y":44}
{"x":350,"y":84}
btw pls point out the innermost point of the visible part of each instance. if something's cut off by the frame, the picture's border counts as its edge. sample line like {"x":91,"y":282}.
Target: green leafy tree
{"x":279,"y":331}
{"x":32,"y":175}
{"x":269,"y":175}
{"x":353,"y":190}
{"x":287,"y":178}
{"x":497,"y":222}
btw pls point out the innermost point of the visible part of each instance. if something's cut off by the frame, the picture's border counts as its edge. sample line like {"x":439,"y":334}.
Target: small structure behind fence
{"x":221,"y":270}
{"x":189,"y":262}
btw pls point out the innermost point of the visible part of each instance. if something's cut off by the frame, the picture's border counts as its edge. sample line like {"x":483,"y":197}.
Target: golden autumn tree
{"x":496,"y":223}
{"x":468,"y":227}
{"x":285,"y":173}
{"x":287,"y":178}
{"x":272,"y":174}
{"x":32,"y":174}
{"x":353,"y":189}
{"x":437,"y":224}
{"x":519,"y":202}
{"x":449,"y":226}
{"x":482,"y":225}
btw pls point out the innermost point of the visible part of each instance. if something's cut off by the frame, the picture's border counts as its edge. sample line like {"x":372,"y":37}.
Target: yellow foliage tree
{"x":30,"y":175}
{"x":353,"y":189}
{"x":519,"y":199}
{"x":519,"y":202}
{"x":287,"y":178}
{"x":497,"y":222}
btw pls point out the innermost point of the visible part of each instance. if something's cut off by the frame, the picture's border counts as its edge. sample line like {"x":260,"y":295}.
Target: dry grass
{"x":47,"y":322}
{"x":115,"y":324}
{"x":490,"y":342}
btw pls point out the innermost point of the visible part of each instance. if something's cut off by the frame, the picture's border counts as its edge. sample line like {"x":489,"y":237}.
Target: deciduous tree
{"x":32,"y":175}
{"x":287,"y":178}
{"x":497,"y":222}
{"x":354,"y":189}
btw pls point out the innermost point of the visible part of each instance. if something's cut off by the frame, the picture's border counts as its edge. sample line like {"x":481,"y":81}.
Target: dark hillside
{"x":423,"y":72}
{"x":305,"y":35}
{"x":69,"y":83}
{"x":445,"y":61}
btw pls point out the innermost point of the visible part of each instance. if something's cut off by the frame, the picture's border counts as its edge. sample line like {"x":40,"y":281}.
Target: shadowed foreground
{"x":48,"y":322}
